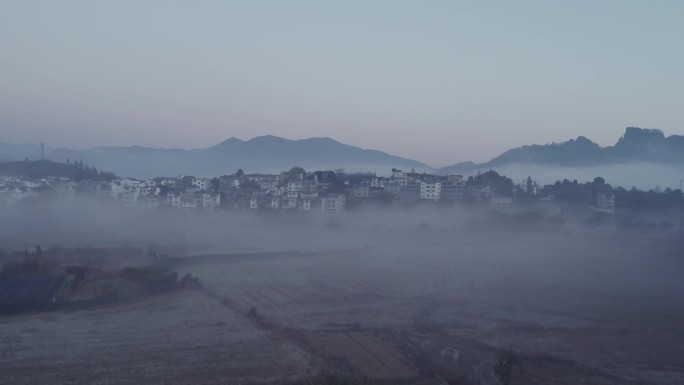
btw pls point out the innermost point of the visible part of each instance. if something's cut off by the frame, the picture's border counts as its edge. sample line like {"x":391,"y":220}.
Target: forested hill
{"x":37,"y":169}
{"x":636,"y":145}
{"x":262,"y":154}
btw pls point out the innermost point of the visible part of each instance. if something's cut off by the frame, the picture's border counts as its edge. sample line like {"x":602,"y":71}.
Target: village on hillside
{"x":296,"y":189}
{"x":328,"y":192}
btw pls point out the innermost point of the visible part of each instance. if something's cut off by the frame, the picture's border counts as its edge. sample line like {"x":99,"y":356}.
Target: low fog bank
{"x":84,"y":222}
{"x":644,"y":176}
{"x":581,"y":295}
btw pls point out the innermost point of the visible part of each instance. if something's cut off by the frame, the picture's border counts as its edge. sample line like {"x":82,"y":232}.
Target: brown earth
{"x":597,"y":312}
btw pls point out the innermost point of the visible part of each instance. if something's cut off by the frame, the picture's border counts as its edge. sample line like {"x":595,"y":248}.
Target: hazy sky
{"x":437,"y":81}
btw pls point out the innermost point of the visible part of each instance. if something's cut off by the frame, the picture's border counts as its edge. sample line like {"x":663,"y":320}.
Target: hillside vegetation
{"x":37,"y":169}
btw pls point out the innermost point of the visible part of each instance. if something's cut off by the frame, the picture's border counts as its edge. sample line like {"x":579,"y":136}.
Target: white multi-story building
{"x":301,"y":185}
{"x":168,"y":182}
{"x":392,"y":187}
{"x":149,"y":190}
{"x":400,"y":177}
{"x":130,"y":195}
{"x":290,"y":203}
{"x":130,"y":182}
{"x":265,"y":182}
{"x":453,"y":188}
{"x":333,"y":204}
{"x":605,"y":202}
{"x":209,"y":200}
{"x":202,"y":183}
{"x":173,"y":199}
{"x":116,"y":188}
{"x":430,"y":190}
{"x":189,"y":201}
{"x":361,"y":190}
{"x":305,"y":204}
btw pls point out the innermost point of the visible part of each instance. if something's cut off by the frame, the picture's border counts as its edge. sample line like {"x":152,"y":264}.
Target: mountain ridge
{"x":267,"y":153}
{"x":271,"y":153}
{"x":635,"y":145}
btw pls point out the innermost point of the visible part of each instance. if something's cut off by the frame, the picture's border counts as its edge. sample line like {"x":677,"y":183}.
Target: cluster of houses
{"x":14,"y":189}
{"x":322,"y":191}
{"x":296,"y":189}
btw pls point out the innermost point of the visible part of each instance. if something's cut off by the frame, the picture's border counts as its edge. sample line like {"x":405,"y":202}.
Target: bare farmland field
{"x":180,"y":338}
{"x":577,"y":308}
{"x":598,"y":313}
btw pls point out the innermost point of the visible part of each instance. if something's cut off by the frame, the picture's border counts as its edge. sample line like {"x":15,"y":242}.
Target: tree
{"x":39,"y":254}
{"x":326,"y":176}
{"x":295,"y":173}
{"x":297,"y":170}
{"x":529,"y":185}
{"x":499,"y":185}
{"x":504,"y":365}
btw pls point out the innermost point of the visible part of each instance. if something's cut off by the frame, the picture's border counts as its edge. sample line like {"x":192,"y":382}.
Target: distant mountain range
{"x":637,"y":145}
{"x":273,"y":154}
{"x":261,"y":154}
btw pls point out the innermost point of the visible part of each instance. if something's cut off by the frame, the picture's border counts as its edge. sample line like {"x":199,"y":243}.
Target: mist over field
{"x":341,"y":193}
{"x":82,"y":221}
{"x":375,"y":293}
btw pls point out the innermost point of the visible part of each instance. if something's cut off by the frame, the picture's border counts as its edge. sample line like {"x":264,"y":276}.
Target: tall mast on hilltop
{"x":681,"y":206}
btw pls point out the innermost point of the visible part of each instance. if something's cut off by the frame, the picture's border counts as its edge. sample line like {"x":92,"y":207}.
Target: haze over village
{"x":341,"y":193}
{"x":328,"y":276}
